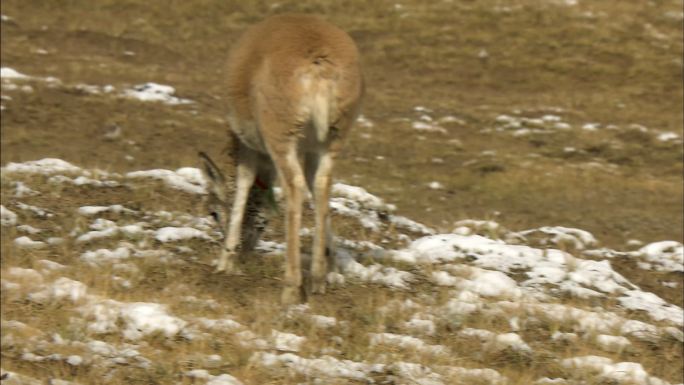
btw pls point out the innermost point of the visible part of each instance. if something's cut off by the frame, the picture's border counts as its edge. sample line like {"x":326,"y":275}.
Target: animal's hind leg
{"x":292,"y":180}
{"x":246,"y":160}
{"x":319,"y":178}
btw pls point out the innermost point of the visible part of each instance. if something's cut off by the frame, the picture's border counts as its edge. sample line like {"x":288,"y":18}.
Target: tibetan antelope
{"x":295,"y":88}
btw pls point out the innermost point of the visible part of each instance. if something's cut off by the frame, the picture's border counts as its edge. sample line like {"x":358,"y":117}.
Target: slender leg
{"x":294,"y":186}
{"x":256,"y":219}
{"x":246,"y":173}
{"x":322,"y":259}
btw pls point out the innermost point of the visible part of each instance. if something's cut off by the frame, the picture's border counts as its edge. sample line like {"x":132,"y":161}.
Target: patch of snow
{"x":322,"y":321}
{"x":7,"y":216}
{"x":249,"y":339}
{"x":28,"y":229}
{"x":579,"y":239}
{"x":21,"y":190}
{"x":28,"y":243}
{"x":486,"y":283}
{"x":603,"y":367}
{"x":496,"y":341}
{"x":376,"y":273}
{"x":83,"y":181}
{"x":434,"y":185}
{"x":428,"y":127}
{"x":287,"y":341}
{"x":471,"y":226}
{"x":410,"y":225}
{"x":361,"y":196}
{"x":364,"y":122}
{"x":567,"y":337}
{"x":47,"y":166}
{"x":93,"y":210}
{"x":407,"y":342}
{"x":325,"y":366}
{"x":221,"y":379}
{"x":412,"y":373}
{"x":551,"y":381}
{"x":543,"y":266}
{"x":174,"y":234}
{"x":105,"y":255}
{"x":222,"y":325}
{"x":654,"y":306}
{"x":62,"y":288}
{"x":146,"y":318}
{"x":491,"y":376}
{"x":421,"y":326}
{"x":12,"y":378}
{"x":74,"y":360}
{"x":22,"y":274}
{"x":667,"y":136}
{"x":186,"y":179}
{"x":664,"y":255}
{"x":37,"y":211}
{"x":612,"y":343}
{"x":153,"y":92}
{"x":48,"y":265}
{"x":10,"y":73}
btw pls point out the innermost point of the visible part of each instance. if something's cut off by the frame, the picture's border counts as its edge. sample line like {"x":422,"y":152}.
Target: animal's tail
{"x":323,"y":96}
{"x":320,"y":113}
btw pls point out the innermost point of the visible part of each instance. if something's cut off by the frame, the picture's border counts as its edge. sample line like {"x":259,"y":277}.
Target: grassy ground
{"x":618,"y":64}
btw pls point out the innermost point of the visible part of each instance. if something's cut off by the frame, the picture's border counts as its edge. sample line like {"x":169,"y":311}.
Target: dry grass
{"x":613,"y":63}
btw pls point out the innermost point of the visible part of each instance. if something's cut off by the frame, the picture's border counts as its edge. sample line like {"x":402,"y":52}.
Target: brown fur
{"x":295,"y":88}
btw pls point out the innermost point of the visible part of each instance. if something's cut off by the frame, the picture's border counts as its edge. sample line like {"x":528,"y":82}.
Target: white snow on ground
{"x":186,"y":179}
{"x":61,"y":288}
{"x":407,"y":342}
{"x":495,"y":341}
{"x":153,"y":92}
{"x":361,"y":197}
{"x":111,"y":231}
{"x":664,"y":256}
{"x":356,"y":202}
{"x":7,"y":216}
{"x":83,"y":181}
{"x":580,"y":277}
{"x":28,"y":229}
{"x":10,"y":73}
{"x":21,"y":190}
{"x":324,"y":366}
{"x":146,"y":92}
{"x":605,"y":368}
{"x":145,"y":318}
{"x":428,"y":127}
{"x":174,"y":234}
{"x":287,"y":342}
{"x":558,"y":235}
{"x":47,"y":166}
{"x":517,"y":278}
{"x":612,"y":343}
{"x":28,"y":243}
{"x":420,"y":326}
{"x":36,"y":211}
{"x":221,"y":379}
{"x":105,"y":255}
{"x":485,"y":283}
{"x":93,"y":210}
{"x":380,"y":274}
{"x":653,"y":305}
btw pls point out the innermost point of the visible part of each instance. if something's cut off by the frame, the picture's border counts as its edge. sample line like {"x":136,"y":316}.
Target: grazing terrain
{"x":508,"y":209}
